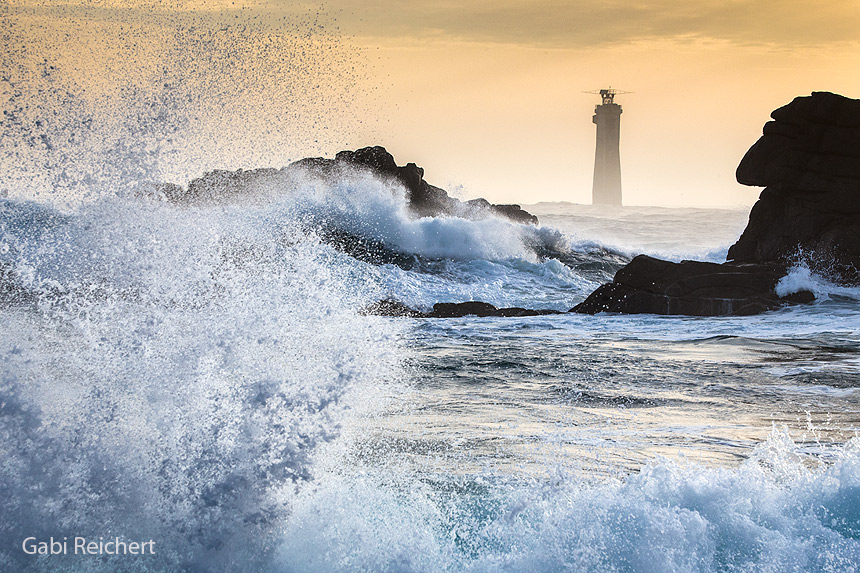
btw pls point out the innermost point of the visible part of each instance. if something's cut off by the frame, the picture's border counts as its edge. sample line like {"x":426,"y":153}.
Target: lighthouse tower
{"x":607,"y":161}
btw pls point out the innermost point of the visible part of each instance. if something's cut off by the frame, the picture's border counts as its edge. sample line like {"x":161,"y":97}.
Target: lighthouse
{"x":607,"y":161}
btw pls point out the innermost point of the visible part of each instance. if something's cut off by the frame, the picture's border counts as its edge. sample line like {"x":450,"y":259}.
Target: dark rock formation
{"x":221,"y":185}
{"x":649,"y":285}
{"x":475,"y":308}
{"x":809,"y":159}
{"x":390,"y":307}
{"x":12,"y":291}
{"x":424,"y":200}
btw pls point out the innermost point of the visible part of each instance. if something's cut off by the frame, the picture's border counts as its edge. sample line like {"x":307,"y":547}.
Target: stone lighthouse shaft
{"x":607,"y":161}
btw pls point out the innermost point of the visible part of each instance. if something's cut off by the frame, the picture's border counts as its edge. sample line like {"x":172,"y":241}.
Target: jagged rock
{"x":515,"y":213}
{"x":221,"y":185}
{"x":694,"y":288}
{"x":809,"y":159}
{"x":424,"y":199}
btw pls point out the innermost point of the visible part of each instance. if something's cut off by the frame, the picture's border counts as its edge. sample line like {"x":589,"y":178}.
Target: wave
{"x":801,"y":277}
{"x":199,"y":375}
{"x":778,"y":511}
{"x":174,"y":375}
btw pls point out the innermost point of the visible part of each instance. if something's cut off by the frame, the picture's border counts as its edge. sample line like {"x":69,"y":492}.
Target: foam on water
{"x":668,"y":233}
{"x":362,"y":205}
{"x":778,"y":511}
{"x":175,"y":376}
{"x":802,"y":278}
{"x":201,"y":376}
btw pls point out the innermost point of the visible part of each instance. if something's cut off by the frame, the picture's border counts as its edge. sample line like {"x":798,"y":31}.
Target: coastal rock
{"x":809,"y":160}
{"x":12,"y":291}
{"x":423,"y":199}
{"x":389,"y":307}
{"x":693,"y":288}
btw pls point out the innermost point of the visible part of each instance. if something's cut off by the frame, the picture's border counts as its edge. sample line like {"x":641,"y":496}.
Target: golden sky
{"x":486,"y":95}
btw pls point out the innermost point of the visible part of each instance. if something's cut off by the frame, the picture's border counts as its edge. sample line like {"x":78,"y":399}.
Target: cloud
{"x":581,"y":23}
{"x":549,"y":23}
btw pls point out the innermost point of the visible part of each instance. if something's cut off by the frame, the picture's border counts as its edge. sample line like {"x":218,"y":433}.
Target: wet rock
{"x":809,"y":160}
{"x":457,"y":309}
{"x":693,"y":288}
{"x":390,"y":307}
{"x":221,"y":186}
{"x":477,"y":308}
{"x":424,"y":199}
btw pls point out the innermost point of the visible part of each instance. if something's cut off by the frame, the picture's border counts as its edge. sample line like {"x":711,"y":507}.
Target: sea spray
{"x":177,"y":373}
{"x":802,"y":277}
{"x":778,"y":511}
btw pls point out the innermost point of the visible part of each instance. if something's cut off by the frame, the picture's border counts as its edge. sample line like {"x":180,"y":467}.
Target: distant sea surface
{"x":204,"y":377}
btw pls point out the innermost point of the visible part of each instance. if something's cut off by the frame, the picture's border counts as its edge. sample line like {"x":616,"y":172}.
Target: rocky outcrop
{"x":390,"y":307}
{"x":457,"y":309}
{"x":809,"y":160}
{"x":693,"y":288}
{"x":424,"y":199}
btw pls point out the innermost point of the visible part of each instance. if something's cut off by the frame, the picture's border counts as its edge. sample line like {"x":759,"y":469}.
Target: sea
{"x":205,"y":377}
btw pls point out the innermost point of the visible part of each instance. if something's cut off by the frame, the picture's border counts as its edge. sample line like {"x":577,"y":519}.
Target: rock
{"x":220,"y":185}
{"x":694,"y":288}
{"x":424,"y":199}
{"x":477,"y":308}
{"x":457,"y":309}
{"x":389,"y":307}
{"x":809,"y":160}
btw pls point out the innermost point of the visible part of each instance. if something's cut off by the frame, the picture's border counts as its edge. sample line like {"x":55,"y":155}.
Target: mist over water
{"x":204,"y":375}
{"x":102,"y":98}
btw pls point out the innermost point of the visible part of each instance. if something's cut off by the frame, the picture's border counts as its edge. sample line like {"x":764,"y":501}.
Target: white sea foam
{"x":775,"y":512}
{"x":187,"y":374}
{"x":175,"y":375}
{"x":801,"y":278}
{"x":361,"y":204}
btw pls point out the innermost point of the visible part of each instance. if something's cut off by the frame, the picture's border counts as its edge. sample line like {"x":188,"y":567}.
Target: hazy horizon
{"x":487,"y":97}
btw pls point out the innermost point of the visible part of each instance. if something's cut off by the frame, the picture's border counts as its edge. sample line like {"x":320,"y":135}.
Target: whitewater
{"x":205,"y":377}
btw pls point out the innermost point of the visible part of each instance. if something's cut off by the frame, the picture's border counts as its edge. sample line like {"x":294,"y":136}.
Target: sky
{"x":490,"y":97}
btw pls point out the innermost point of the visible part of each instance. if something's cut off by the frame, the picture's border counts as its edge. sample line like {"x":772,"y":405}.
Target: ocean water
{"x":204,"y":377}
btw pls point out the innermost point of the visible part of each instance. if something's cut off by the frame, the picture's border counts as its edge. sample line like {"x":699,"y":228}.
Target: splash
{"x":773,"y":513}
{"x":801,"y":277}
{"x":175,"y":375}
{"x":99,"y":98}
